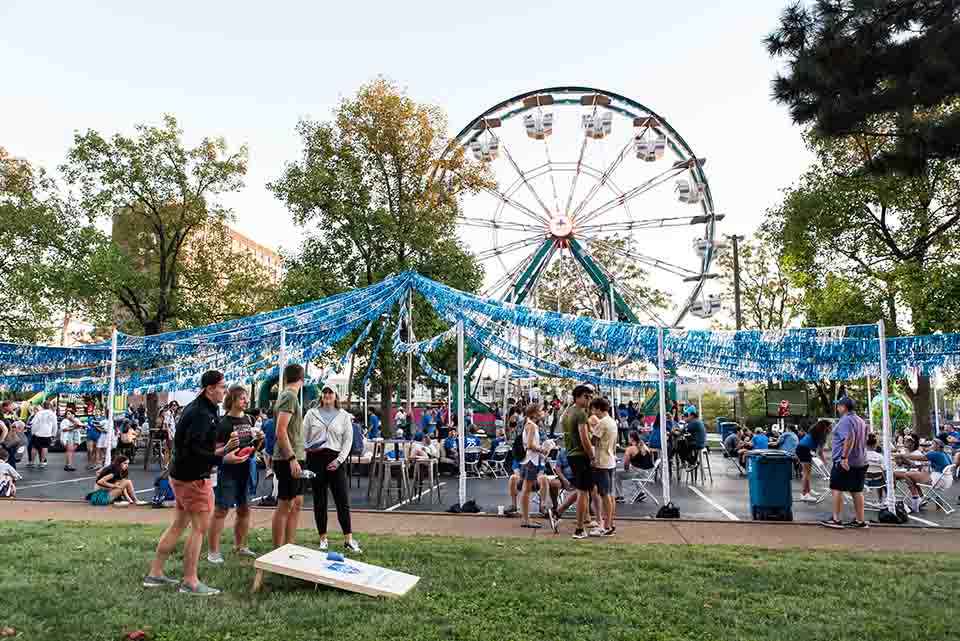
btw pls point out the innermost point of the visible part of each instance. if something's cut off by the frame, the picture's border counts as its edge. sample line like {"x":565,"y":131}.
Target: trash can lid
{"x":769,"y":453}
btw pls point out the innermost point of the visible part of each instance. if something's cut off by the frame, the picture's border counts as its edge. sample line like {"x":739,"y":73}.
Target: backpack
{"x":164,"y":492}
{"x":519,"y":450}
{"x":357,"y":448}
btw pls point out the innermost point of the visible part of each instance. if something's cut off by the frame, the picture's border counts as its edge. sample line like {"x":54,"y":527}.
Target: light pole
{"x":735,"y":241}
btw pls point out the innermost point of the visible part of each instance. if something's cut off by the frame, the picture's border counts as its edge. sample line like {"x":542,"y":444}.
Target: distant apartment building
{"x":264,"y":255}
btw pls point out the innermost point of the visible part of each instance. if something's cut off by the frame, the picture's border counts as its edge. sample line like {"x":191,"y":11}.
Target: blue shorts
{"x":230,"y":492}
{"x":603,"y":480}
{"x":529,"y":471}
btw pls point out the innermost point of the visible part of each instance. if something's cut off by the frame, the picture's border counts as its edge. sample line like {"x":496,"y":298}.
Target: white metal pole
{"x":366,"y":409}
{"x":869,"y":402}
{"x":887,"y":445}
{"x":614,"y":390}
{"x":460,"y":414}
{"x":111,"y":397}
{"x":449,"y":400}
{"x":282,"y":358}
{"x":664,"y":449}
{"x":936,"y":405}
{"x":410,"y":359}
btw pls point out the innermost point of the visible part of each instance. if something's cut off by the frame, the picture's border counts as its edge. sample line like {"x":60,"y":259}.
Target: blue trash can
{"x":726,"y":429}
{"x":721,"y":420}
{"x":770,"y":475}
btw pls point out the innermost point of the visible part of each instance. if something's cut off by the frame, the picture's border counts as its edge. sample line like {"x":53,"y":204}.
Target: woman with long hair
{"x":636,"y":458}
{"x":812,"y":441}
{"x":531,"y":467}
{"x":329,"y":437}
{"x":113,"y":484}
{"x":233,"y":478}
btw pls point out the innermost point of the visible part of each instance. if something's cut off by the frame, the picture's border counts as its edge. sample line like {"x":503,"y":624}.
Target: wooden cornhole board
{"x":313,"y":565}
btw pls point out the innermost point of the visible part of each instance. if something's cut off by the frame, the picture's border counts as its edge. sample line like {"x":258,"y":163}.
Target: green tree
{"x":864,"y":247}
{"x":767,"y":298}
{"x":879,"y":69}
{"x":169,"y":261}
{"x":367,"y":183}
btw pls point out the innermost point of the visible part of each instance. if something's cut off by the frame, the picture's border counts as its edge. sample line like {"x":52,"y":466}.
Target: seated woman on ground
{"x":935,"y":456}
{"x":113,"y":484}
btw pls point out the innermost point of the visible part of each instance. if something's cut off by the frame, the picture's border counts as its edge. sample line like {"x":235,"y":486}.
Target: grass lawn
{"x":64,"y":582}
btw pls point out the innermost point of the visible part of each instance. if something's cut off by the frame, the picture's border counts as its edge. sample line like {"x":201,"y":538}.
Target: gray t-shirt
{"x":850,"y":426}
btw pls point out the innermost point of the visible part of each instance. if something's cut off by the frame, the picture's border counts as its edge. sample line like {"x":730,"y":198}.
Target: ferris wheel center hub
{"x":561,"y":226}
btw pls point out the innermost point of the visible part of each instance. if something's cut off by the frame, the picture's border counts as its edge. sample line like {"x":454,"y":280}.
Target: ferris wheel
{"x":577,"y":173}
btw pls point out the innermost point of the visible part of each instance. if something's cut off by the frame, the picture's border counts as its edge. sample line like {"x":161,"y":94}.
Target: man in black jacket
{"x":194,"y":456}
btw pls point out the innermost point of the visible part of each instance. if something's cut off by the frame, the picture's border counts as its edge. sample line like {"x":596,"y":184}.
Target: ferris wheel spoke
{"x":650,"y":223}
{"x":511,"y":276}
{"x":523,"y":177}
{"x":509,"y":247}
{"x":486,"y":223}
{"x":626,"y":292}
{"x":630,"y":194}
{"x":604,"y":177}
{"x":642,"y":258}
{"x":523,"y":209}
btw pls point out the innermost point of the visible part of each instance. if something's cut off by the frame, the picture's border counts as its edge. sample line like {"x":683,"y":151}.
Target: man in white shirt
{"x":603,"y":432}
{"x":42,"y":430}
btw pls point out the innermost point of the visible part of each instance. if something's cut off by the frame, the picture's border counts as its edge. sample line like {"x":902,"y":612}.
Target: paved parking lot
{"x":726,"y":498}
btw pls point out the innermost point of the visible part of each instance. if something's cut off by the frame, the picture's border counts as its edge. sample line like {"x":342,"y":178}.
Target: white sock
{"x":276,"y":486}
{"x":915,"y":502}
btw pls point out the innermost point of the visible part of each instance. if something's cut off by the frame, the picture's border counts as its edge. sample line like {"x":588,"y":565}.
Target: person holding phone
{"x":195,"y":454}
{"x":233,"y":478}
{"x":288,"y":454}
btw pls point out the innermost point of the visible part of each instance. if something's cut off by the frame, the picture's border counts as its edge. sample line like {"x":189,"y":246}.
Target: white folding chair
{"x":498,"y":462}
{"x":471,"y":461}
{"x":930,"y":492}
{"x":876,"y":480}
{"x":822,"y":472}
{"x":645,"y":478}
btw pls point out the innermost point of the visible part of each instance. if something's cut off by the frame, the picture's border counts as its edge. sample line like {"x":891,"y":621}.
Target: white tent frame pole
{"x":111,"y":398}
{"x":366,"y":409}
{"x":664,"y":449}
{"x":614,"y":391}
{"x":936,"y":405}
{"x":449,"y":399}
{"x":410,"y":339}
{"x":282,"y":359}
{"x":460,"y":415}
{"x":869,"y":402}
{"x":887,"y":445}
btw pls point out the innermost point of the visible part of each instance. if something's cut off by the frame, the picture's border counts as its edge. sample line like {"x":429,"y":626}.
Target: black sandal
{"x":531,"y":525}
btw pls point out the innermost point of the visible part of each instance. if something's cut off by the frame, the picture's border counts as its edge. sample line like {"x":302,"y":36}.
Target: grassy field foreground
{"x":79,"y":581}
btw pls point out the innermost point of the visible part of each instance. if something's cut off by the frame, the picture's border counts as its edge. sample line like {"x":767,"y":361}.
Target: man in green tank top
{"x":580,"y":452}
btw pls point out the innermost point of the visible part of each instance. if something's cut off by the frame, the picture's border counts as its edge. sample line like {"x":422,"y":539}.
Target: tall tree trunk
{"x":386,"y":408}
{"x":921,"y":398}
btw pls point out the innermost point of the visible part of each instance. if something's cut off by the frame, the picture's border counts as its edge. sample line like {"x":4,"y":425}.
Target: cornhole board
{"x":313,"y":565}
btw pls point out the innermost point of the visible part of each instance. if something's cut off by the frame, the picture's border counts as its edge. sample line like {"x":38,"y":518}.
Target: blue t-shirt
{"x":497,"y":442}
{"x":809,"y":442}
{"x":564,"y":464}
{"x":269,"y":434}
{"x":425,"y":419}
{"x":850,"y":426}
{"x":938,"y":460}
{"x":760,"y":442}
{"x":450,"y":443}
{"x":699,"y":432}
{"x":374,"y":422}
{"x":788,"y":443}
{"x":471,"y":440}
{"x":653,"y":438}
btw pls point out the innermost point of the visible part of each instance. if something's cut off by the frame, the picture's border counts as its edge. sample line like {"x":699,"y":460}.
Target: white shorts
{"x":73,"y":437}
{"x":103,"y":442}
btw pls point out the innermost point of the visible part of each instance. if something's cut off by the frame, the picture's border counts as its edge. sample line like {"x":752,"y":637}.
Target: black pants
{"x":317,"y":463}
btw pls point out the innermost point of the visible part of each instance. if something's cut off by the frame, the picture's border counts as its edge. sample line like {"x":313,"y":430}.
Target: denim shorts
{"x":529,"y":472}
{"x":230,"y":492}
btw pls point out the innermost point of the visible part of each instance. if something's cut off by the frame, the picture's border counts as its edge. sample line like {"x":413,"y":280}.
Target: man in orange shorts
{"x":194,"y":456}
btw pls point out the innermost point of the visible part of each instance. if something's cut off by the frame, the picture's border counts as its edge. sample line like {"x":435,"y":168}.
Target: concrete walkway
{"x":762,"y":534}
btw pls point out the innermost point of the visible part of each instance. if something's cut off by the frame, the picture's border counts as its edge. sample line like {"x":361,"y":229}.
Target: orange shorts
{"x":193,"y":496}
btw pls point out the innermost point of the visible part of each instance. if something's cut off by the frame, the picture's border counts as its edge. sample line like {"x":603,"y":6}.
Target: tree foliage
{"x":169,"y":262}
{"x":880,"y":69}
{"x":369,"y":185}
{"x":864,"y":247}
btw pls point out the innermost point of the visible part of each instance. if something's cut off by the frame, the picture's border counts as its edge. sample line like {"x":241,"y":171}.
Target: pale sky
{"x":249,"y":70}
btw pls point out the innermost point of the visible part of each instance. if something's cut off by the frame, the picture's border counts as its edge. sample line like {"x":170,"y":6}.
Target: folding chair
{"x":877,"y":481}
{"x":640,"y":483}
{"x":930,"y":492}
{"x":498,"y":462}
{"x":471,"y":461}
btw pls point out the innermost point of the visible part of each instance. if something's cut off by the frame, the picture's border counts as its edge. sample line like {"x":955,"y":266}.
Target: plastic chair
{"x":471,"y":461}
{"x":498,"y":462}
{"x":930,"y":492}
{"x":646,"y":478}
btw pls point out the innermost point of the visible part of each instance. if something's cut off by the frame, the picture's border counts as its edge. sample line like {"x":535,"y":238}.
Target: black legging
{"x":317,"y":463}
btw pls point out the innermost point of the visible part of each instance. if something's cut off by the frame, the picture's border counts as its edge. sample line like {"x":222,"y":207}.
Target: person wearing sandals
{"x":328,"y":432}
{"x":113,"y":484}
{"x":195,"y":454}
{"x":532,"y":464}
{"x":233,"y":479}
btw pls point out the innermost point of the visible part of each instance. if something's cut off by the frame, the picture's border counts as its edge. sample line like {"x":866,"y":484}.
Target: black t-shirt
{"x":228,"y":425}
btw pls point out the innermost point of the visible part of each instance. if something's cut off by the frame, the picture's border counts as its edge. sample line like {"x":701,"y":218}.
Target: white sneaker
{"x":143,"y":502}
{"x":324,"y":545}
{"x":597,"y":531}
{"x":121,"y":503}
{"x":593,"y":525}
{"x":43,"y":464}
{"x":808,"y":498}
{"x":353,"y":546}
{"x":215,"y":557}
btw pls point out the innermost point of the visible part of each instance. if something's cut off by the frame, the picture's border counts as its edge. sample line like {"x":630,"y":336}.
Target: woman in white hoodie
{"x":328,"y":434}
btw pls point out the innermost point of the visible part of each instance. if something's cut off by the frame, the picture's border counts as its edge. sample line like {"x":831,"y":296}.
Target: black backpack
{"x":519,"y":449}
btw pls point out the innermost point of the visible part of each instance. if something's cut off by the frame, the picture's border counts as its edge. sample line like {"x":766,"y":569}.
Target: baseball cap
{"x":689,"y":409}
{"x":847,"y":402}
{"x":327,"y":388}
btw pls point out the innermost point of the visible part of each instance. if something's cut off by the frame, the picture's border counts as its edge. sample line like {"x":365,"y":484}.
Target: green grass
{"x":81,"y":581}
